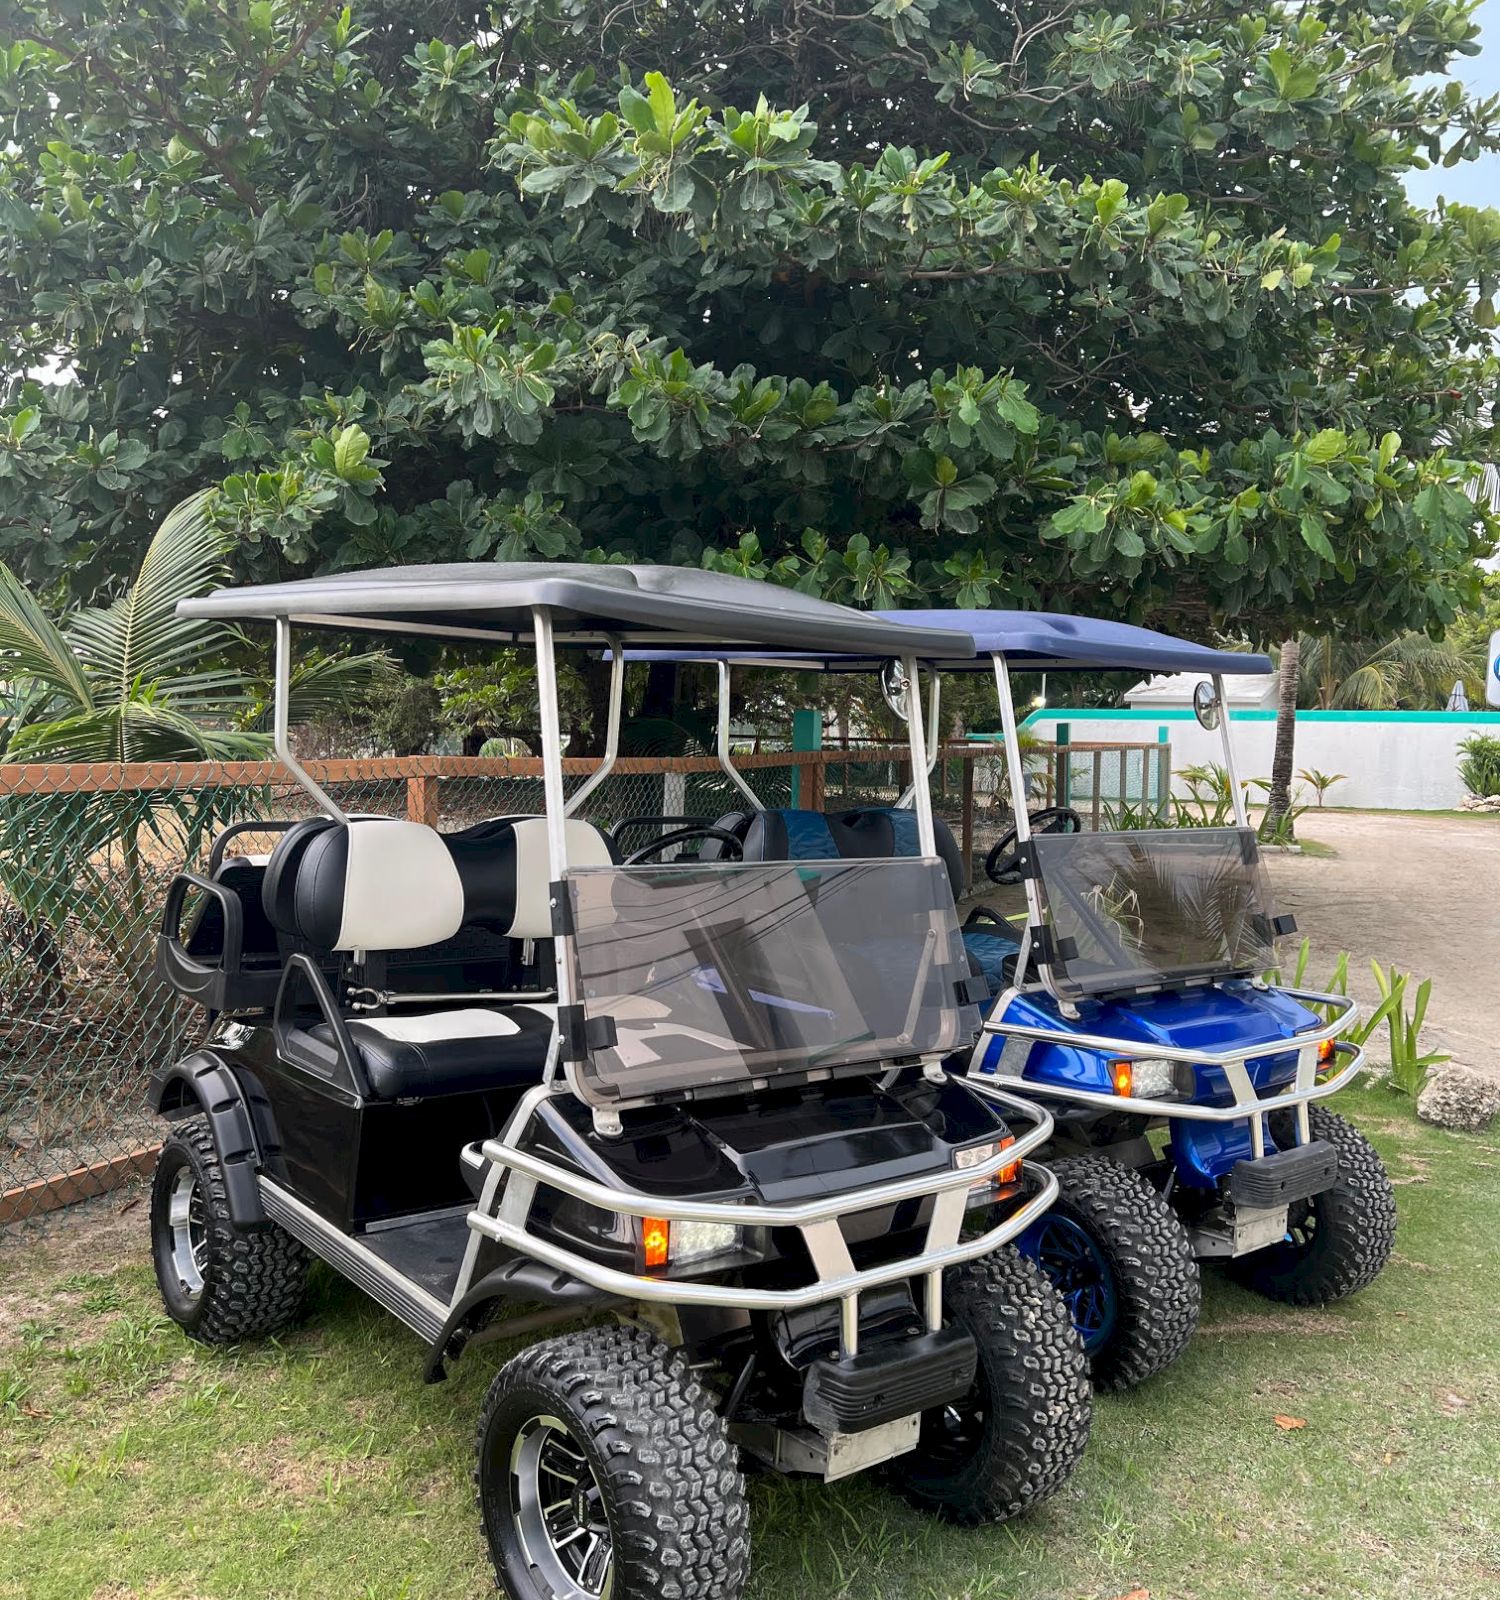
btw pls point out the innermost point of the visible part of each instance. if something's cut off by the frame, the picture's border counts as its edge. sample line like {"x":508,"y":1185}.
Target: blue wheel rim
{"x":1076,"y":1268}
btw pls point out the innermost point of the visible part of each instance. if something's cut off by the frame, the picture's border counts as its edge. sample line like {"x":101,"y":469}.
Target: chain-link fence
{"x":87,"y":854}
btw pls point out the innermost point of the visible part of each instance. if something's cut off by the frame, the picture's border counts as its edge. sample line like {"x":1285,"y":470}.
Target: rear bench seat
{"x":793,"y":835}
{"x":381,"y":885}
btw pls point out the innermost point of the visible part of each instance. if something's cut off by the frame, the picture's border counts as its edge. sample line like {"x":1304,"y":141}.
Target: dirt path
{"x":1422,"y":892}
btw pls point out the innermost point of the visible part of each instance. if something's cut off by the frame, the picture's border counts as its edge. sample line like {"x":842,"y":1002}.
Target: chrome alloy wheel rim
{"x":559,"y":1513}
{"x":187,"y":1229}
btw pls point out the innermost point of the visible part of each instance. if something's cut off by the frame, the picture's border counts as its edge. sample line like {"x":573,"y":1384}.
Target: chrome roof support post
{"x":723,"y":742}
{"x":552,"y":785}
{"x":1236,"y":793}
{"x":281,"y":720}
{"x":612,"y":731}
{"x":934,"y":722}
{"x":1015,"y":768}
{"x":917,"y":741}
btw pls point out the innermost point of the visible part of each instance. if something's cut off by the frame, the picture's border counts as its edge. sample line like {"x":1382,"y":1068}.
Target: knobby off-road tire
{"x":1339,"y":1240}
{"x":1018,"y":1434}
{"x":221,"y":1284}
{"x":658,"y":1471}
{"x":1140,"y":1317}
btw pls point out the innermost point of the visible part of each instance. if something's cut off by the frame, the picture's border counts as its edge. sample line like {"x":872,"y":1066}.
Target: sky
{"x":1475,"y":183}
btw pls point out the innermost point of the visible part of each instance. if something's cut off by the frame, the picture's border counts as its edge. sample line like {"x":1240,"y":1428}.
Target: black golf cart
{"x":503,"y":1081}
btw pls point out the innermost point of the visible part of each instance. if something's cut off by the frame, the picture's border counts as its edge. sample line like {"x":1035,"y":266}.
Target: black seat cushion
{"x":449,"y":1051}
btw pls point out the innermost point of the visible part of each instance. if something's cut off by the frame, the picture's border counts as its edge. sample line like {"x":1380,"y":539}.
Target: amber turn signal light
{"x":656,"y":1240}
{"x":1122,"y":1076}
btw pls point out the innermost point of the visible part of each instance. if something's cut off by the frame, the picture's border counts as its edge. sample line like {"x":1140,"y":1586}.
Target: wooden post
{"x":966,"y":765}
{"x":423,"y":800}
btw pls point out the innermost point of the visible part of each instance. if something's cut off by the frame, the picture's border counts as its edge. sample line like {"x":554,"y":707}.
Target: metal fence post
{"x":1064,"y":785}
{"x":1163,"y":769}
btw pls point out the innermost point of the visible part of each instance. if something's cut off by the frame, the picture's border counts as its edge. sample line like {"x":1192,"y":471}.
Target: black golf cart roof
{"x":1043,"y":641}
{"x":495,"y":600}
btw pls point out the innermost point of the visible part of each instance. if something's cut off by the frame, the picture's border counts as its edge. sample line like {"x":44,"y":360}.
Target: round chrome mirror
{"x":895,"y":687}
{"x":1207,"y":706}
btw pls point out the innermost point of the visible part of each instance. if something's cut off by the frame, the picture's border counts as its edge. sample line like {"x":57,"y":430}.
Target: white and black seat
{"x":399,"y":897}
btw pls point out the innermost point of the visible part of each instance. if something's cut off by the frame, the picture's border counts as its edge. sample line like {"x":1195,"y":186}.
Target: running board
{"x":423,"y":1313}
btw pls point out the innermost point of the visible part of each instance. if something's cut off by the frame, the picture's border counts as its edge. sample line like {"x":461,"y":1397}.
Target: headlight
{"x":975,"y":1155}
{"x":665,"y":1243}
{"x":1152,"y":1078}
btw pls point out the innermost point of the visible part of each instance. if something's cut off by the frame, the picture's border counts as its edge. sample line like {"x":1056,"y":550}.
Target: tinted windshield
{"x":716,"y":975}
{"x":1146,"y":908}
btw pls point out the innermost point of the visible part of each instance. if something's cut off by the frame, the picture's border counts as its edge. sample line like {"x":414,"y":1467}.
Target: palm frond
{"x":140,"y":637}
{"x":324,"y":686}
{"x":31,"y":646}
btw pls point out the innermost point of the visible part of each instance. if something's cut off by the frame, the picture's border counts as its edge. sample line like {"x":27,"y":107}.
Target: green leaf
{"x":350,"y":447}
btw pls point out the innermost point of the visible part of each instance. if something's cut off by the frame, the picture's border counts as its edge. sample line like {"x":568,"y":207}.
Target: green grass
{"x":137,"y":1466}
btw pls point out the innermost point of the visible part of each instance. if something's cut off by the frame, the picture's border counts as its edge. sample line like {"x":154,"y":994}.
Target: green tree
{"x":1120,"y":310}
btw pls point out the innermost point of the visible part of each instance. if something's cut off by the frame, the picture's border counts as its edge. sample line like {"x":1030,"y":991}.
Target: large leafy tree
{"x":1124,"y":310}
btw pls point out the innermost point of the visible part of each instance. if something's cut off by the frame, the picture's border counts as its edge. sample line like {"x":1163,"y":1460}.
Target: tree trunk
{"x":1279,"y":801}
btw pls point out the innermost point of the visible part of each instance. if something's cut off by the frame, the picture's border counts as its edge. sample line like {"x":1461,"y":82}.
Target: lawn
{"x":134,"y":1464}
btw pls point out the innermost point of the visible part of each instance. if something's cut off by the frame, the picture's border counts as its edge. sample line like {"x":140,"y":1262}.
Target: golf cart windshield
{"x":714,"y":976}
{"x":1152,"y":908}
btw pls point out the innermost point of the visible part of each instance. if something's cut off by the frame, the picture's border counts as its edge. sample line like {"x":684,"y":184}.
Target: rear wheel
{"x":1338,"y":1241}
{"x":604,"y":1471}
{"x":1016,"y":1436}
{"x":220,"y":1283}
{"x":1122,"y":1261}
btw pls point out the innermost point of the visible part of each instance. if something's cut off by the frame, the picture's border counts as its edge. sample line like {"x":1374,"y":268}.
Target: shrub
{"x":1480,"y":767}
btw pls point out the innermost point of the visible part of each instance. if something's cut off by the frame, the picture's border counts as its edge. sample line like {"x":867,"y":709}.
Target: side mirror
{"x":1207,"y":706}
{"x":895,"y":688}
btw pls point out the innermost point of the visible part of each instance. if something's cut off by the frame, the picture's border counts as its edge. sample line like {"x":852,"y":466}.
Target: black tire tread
{"x":683,"y":1520}
{"x":1356,"y":1230}
{"x":1038,"y":1383}
{"x":254,"y":1280}
{"x":1160,"y":1293}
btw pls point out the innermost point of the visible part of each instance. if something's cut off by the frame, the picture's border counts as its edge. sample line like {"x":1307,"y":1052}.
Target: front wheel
{"x":604,"y":1471}
{"x":1016,"y":1436}
{"x":1337,"y":1242}
{"x":219,"y":1282}
{"x":1122,"y":1261}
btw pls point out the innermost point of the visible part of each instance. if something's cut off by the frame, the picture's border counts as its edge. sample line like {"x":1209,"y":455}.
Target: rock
{"x":1478,"y":802}
{"x":1459,"y":1097}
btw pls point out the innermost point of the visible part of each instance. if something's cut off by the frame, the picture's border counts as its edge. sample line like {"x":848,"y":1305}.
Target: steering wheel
{"x":1001,"y":866}
{"x":698,"y":830}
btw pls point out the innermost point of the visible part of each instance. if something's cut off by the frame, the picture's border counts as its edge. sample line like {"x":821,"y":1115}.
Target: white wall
{"x":1395,"y":760}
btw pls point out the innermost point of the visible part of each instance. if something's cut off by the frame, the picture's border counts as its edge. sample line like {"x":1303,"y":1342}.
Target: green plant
{"x":1480,"y":767}
{"x":841,"y":303}
{"x":123,"y":682}
{"x":1321,"y":782}
{"x":1410,"y":1065}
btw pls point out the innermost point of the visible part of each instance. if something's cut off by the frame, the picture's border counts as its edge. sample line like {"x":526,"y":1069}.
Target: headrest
{"x":278,"y":889}
{"x":384,"y":884}
{"x":531,"y":906}
{"x":378,"y":885}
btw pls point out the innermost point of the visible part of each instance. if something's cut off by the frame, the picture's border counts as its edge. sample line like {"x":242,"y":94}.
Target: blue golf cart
{"x":1127,"y":992}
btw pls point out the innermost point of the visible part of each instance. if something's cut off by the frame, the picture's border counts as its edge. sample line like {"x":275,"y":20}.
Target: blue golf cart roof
{"x":1041,"y":641}
{"x":1053,"y":641}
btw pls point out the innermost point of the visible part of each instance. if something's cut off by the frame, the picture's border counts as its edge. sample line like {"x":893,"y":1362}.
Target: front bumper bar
{"x":1246,"y":1102}
{"x":837,"y":1278}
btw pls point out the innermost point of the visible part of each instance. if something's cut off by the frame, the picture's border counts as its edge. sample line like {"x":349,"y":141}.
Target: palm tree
{"x":130,"y":681}
{"x":1411,"y":672}
{"x":1279,"y":797}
